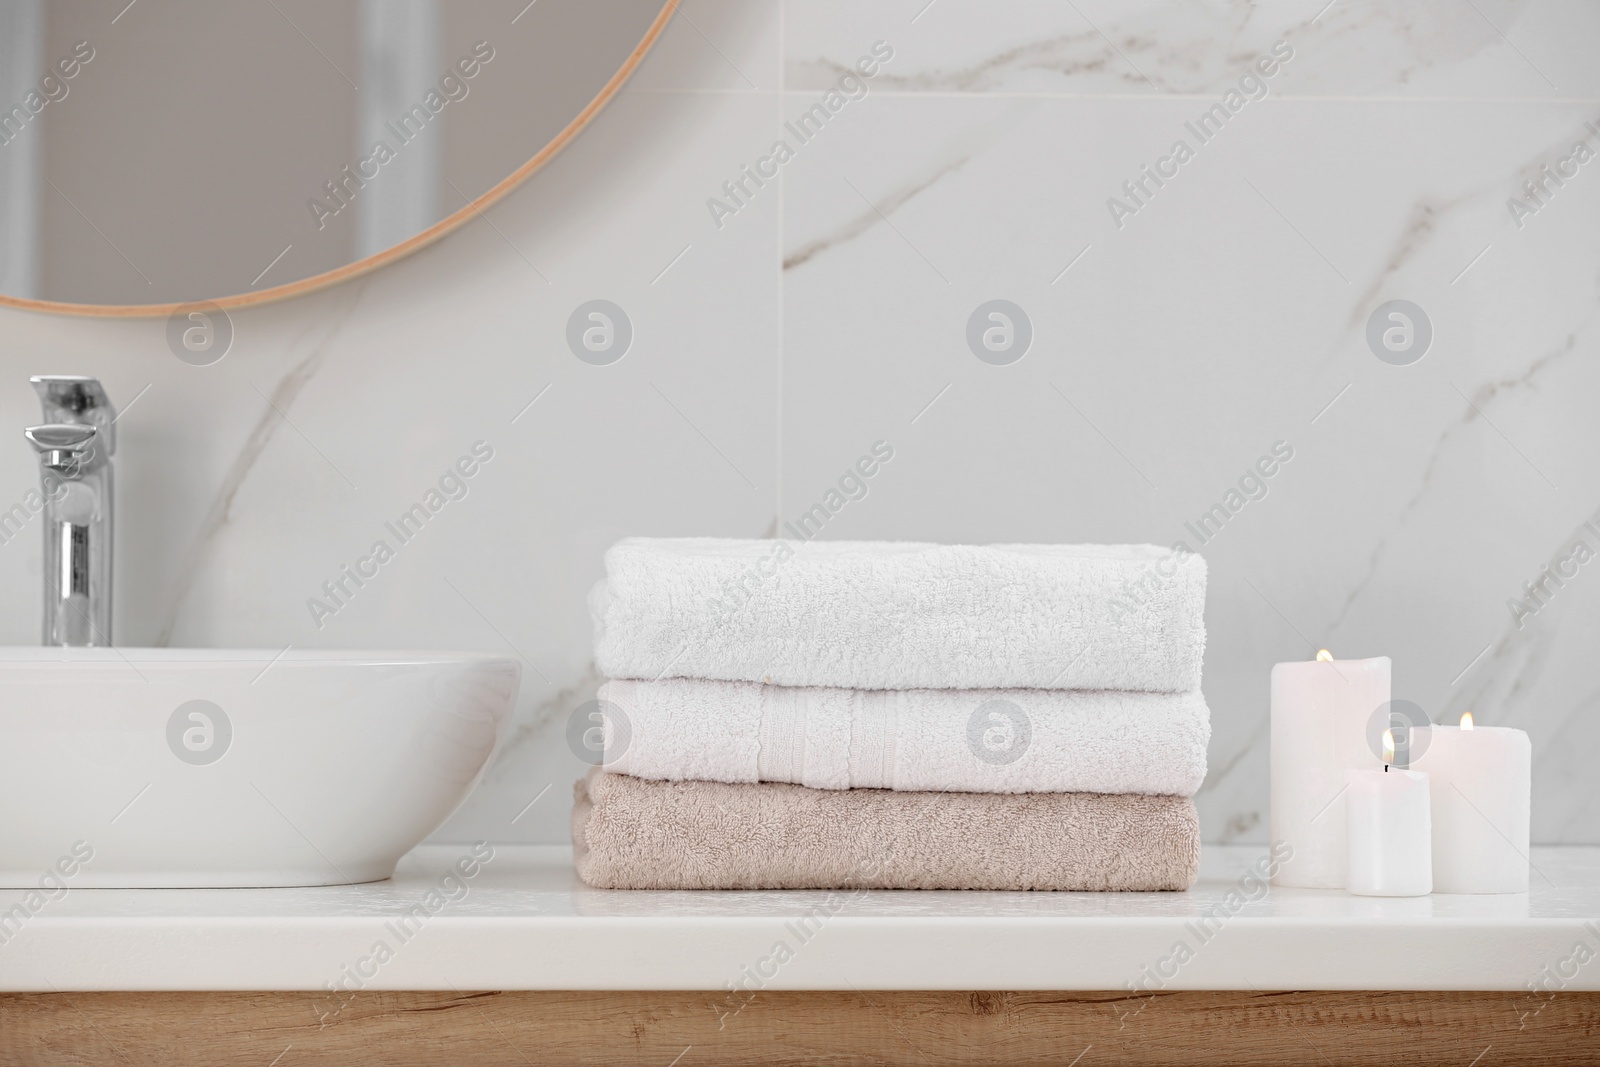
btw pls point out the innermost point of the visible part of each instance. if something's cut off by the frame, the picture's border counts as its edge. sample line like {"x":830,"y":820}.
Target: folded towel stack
{"x":888,"y":715}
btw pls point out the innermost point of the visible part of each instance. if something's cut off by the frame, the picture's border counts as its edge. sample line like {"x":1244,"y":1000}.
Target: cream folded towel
{"x":629,"y":833}
{"x":974,"y":740}
{"x":892,"y":615}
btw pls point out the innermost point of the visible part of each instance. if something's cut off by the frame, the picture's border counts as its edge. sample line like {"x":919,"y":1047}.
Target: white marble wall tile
{"x":1416,"y":48}
{"x":1221,"y":318}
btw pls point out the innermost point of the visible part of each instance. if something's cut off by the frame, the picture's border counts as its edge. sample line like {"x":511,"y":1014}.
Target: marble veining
{"x":875,"y":212}
{"x":1063,"y":55}
{"x":1425,"y":218}
{"x":1484,"y":396}
{"x":1159,"y":48}
{"x":267,"y":425}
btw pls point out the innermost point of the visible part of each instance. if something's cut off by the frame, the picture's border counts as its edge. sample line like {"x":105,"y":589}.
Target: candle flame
{"x":1388,"y":747}
{"x":1466,"y":720}
{"x":1324,"y":656}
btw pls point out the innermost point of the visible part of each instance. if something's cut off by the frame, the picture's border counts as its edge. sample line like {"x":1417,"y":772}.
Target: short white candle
{"x":1320,"y":710}
{"x":1481,"y":780}
{"x":1390,"y":832}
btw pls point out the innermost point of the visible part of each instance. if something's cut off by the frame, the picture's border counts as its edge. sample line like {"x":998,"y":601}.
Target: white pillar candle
{"x":1481,"y":780}
{"x":1320,"y":711}
{"x":1390,"y":838}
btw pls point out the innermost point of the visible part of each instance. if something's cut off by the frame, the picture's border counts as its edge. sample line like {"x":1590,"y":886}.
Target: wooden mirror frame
{"x":389,"y":255}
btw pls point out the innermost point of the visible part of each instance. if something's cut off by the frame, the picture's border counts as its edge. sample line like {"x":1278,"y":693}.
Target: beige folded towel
{"x":631,"y":833}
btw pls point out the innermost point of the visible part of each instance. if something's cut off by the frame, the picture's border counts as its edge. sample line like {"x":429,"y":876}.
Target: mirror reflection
{"x":172,"y":150}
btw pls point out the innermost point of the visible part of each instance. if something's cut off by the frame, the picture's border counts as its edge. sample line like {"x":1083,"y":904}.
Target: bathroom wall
{"x":1219,"y":318}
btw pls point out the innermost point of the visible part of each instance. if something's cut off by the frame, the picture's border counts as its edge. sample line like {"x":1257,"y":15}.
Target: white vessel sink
{"x":156,"y":767}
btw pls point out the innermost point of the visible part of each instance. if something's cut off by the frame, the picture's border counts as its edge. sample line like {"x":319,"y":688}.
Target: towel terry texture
{"x":890,"y":615}
{"x":980,"y":741}
{"x":631,"y":833}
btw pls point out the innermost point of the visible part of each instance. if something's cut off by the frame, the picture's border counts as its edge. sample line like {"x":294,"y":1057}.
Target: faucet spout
{"x":74,"y":447}
{"x":63,"y":447}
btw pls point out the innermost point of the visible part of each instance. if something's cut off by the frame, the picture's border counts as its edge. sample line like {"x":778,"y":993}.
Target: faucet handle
{"x":62,"y":446}
{"x":74,"y":399}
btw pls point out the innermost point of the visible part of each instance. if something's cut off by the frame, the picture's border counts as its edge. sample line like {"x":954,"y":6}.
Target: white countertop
{"x":525,"y":922}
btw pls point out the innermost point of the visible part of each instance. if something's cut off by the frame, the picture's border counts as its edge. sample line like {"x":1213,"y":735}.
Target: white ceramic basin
{"x":219,"y":767}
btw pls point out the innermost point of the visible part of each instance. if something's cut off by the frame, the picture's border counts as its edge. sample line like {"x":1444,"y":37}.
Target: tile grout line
{"x":777,"y":474}
{"x":1045,"y":94}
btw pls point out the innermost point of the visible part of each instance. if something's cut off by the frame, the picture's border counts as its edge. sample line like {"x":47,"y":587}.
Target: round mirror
{"x":158,"y":152}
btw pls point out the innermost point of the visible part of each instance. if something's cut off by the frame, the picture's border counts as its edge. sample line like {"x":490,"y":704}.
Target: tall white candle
{"x":1320,"y":710}
{"x":1389,"y":831}
{"x":1481,"y":780}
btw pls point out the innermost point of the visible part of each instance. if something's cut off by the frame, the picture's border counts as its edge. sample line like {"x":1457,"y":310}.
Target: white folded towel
{"x":901,"y":615}
{"x":974,"y":741}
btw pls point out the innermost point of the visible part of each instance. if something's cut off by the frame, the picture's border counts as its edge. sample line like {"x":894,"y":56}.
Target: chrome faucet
{"x":75,"y":443}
